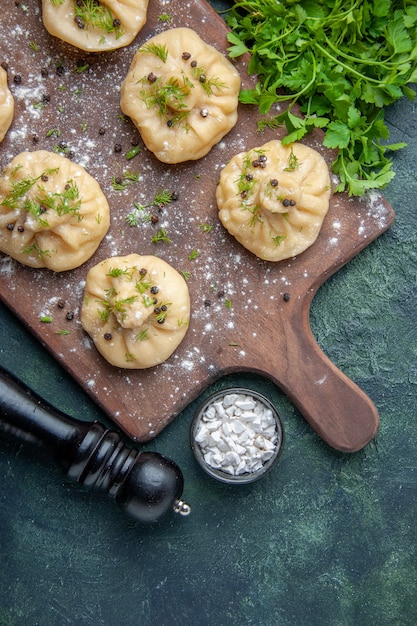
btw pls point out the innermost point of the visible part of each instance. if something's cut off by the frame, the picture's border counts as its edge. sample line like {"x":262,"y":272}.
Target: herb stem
{"x":294,"y":96}
{"x":348,"y":68}
{"x":276,"y":40}
{"x":358,"y":60}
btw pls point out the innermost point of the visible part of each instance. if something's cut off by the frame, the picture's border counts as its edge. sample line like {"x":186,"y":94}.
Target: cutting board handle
{"x":336,"y":408}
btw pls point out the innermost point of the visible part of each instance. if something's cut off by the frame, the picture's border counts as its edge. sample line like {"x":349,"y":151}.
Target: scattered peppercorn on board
{"x":246,"y":314}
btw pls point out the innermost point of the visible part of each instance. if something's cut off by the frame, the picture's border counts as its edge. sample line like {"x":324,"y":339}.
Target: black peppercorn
{"x":186,"y":56}
{"x":116,"y":22}
{"x":143,"y":271}
{"x":193,"y":63}
{"x":70,"y":315}
{"x":61,"y":303}
{"x":107,"y":336}
{"x":17,"y":79}
{"x":154,"y":289}
{"x":286,"y":297}
{"x":10,"y":226}
{"x":101,"y":130}
{"x":274,"y":182}
{"x":117,"y":147}
{"x":79,"y":22}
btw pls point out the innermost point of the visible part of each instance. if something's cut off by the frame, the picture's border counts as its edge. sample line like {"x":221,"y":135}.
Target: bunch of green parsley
{"x":343,"y":62}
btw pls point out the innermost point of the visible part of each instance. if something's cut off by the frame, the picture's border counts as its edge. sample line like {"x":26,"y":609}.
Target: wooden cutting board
{"x":240,"y":318}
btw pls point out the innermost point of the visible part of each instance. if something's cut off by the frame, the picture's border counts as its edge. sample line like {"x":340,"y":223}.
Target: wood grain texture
{"x":240,"y":319}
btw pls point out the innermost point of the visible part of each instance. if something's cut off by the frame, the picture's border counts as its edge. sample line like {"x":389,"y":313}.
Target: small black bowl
{"x":254,"y":467}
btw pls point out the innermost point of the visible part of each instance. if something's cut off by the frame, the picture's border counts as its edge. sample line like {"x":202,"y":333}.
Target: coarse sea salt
{"x":237,"y":434}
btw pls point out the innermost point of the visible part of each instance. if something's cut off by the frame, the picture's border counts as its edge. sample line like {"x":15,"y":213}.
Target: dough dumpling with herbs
{"x":95,"y":25}
{"x":181,"y":94}
{"x":6,"y":105}
{"x":53,"y":213}
{"x":273,"y":199}
{"x":136,"y":309}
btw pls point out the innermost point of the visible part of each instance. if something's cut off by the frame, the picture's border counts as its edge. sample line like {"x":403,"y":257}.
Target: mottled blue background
{"x":327,"y":538}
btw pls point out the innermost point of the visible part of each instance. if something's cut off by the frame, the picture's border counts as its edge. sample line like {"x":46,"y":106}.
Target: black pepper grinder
{"x":146,"y":485}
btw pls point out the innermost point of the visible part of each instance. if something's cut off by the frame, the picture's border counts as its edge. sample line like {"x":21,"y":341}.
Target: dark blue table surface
{"x":327,"y":538}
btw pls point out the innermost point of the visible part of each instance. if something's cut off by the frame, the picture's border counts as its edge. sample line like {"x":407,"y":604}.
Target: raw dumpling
{"x":52,"y":212}
{"x":136,"y":309}
{"x":95,"y":25}
{"x":6,"y":105}
{"x":182,"y":94}
{"x":273,"y":199}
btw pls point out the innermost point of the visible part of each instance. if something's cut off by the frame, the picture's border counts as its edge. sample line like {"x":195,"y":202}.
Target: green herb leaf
{"x":161,"y":236}
{"x":132,"y":152}
{"x":337,"y":135}
{"x":90,"y":13}
{"x":160,"y":51}
{"x":193,"y":254}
